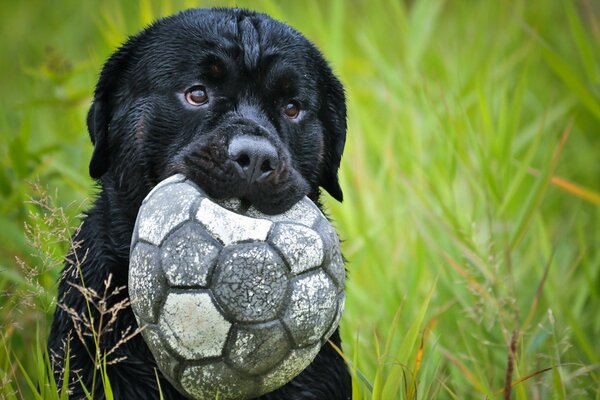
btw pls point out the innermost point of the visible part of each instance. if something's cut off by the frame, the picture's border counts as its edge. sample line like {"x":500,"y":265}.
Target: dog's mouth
{"x":247,"y":168}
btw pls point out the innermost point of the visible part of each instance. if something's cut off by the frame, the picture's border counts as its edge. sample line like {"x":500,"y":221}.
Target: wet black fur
{"x":143,"y":131}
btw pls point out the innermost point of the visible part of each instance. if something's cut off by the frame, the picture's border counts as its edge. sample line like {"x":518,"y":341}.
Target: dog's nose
{"x":254,"y":157}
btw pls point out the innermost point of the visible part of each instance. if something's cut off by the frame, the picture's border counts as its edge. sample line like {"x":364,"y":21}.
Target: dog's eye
{"x":292,"y":109}
{"x":196,"y":95}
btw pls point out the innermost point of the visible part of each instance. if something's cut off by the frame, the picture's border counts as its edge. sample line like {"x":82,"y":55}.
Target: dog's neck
{"x":117,"y":207}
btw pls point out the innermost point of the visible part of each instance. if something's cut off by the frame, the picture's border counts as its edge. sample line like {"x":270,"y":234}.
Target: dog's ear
{"x":98,"y":119}
{"x":333,"y":117}
{"x":101,"y":112}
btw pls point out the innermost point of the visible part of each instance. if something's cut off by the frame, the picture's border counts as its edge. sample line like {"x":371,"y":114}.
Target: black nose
{"x":254,"y":157}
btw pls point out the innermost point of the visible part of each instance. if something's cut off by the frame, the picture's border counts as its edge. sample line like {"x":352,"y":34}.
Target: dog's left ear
{"x":332,"y":114}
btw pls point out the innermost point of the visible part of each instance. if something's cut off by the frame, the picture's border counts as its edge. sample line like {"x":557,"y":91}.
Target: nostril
{"x":243,"y":160}
{"x":266,"y":166}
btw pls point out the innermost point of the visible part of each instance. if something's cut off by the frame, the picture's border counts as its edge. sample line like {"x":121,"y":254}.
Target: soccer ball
{"x":233,"y":303}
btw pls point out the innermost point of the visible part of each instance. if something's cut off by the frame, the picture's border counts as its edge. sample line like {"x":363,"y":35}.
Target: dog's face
{"x":240,"y":103}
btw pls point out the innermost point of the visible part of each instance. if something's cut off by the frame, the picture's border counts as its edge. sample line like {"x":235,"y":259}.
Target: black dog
{"x":243,"y":105}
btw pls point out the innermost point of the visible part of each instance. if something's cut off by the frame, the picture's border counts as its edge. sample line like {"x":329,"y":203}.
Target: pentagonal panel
{"x":188,"y":256}
{"x":304,"y":212}
{"x":192,"y":325}
{"x":229,"y":227}
{"x":250,"y":282}
{"x":311,"y":308}
{"x":301,"y":246}
{"x":217,"y":381}
{"x":290,"y":367}
{"x":255,"y":349}
{"x":146,"y":282}
{"x":168,"y":207}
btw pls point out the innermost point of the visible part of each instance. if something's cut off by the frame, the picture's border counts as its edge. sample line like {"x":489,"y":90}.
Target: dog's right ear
{"x":101,"y":112}
{"x":98,"y":119}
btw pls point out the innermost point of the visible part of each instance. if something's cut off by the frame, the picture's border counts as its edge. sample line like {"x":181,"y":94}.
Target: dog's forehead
{"x":249,"y":38}
{"x":252,"y":40}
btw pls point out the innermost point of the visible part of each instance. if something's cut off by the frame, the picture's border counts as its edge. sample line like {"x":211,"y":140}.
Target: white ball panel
{"x":232,"y":204}
{"x":290,"y":367}
{"x":302,"y":247}
{"x":338,"y":315}
{"x":311,"y":308}
{"x":145,"y":281}
{"x":172,"y":179}
{"x":164,"y":211}
{"x":217,"y":381}
{"x":193,"y":326}
{"x":166,"y":362}
{"x":230,"y":227}
{"x":304,"y":212}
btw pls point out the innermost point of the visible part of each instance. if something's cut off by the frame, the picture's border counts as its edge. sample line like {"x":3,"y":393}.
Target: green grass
{"x":471,"y":182}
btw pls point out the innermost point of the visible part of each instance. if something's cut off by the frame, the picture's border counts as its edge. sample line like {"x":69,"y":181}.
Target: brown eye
{"x":196,"y":95}
{"x":292,"y":109}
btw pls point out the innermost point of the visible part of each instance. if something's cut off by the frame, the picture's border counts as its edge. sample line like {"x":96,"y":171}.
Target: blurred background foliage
{"x":471,"y":179}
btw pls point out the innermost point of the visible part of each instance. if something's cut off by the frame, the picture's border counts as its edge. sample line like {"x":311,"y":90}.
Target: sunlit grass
{"x":470,"y":177}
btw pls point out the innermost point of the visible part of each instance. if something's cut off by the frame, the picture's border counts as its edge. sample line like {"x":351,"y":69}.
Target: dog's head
{"x":242,"y":104}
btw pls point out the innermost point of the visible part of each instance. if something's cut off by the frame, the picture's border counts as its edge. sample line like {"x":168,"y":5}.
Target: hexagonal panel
{"x":255,"y":349}
{"x":311,"y":308}
{"x":217,"y":380}
{"x":337,"y":270}
{"x":302,"y":247}
{"x":334,"y":262}
{"x":229,"y":227}
{"x":188,"y":256}
{"x":304,"y":212}
{"x":146,"y":281}
{"x":250,"y":282}
{"x":233,"y":204}
{"x":289,"y":368}
{"x":168,"y":207}
{"x":193,"y":326}
{"x":172,"y":179}
{"x":341,"y":303}
{"x":165,"y":361}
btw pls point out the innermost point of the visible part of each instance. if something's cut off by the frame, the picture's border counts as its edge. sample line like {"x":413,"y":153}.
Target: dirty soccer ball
{"x":233,"y":303}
